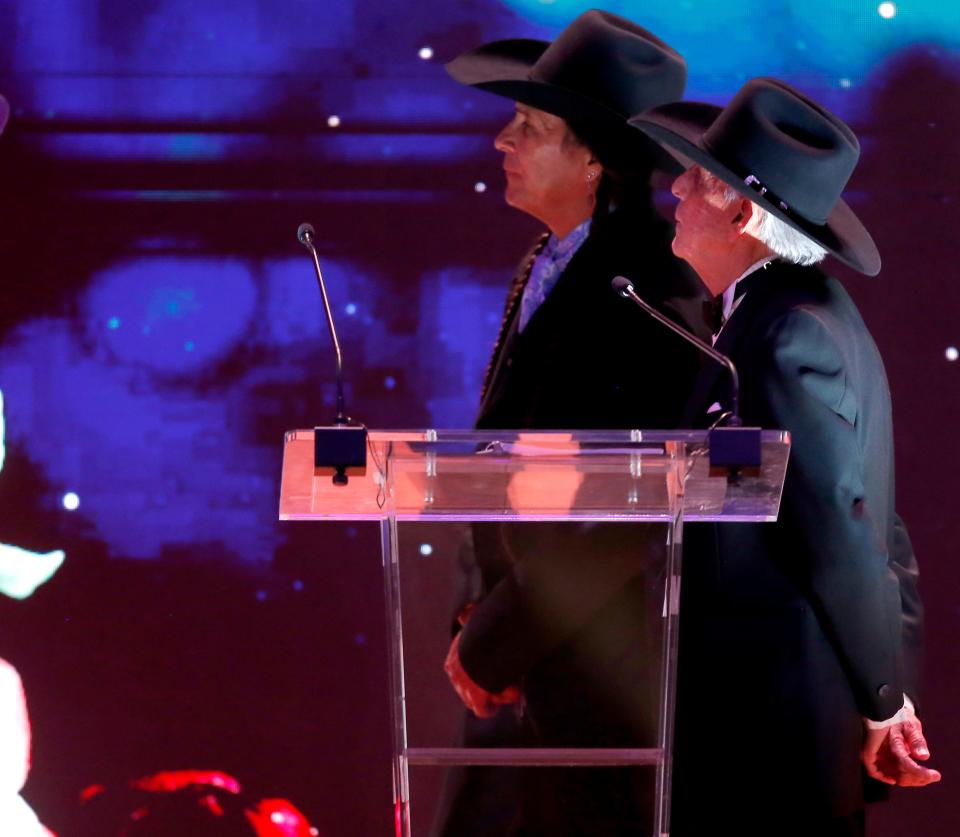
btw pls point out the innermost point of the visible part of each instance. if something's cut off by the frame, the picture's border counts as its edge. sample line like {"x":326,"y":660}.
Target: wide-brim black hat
{"x":4,"y":112}
{"x":781,"y":150}
{"x":598,"y":72}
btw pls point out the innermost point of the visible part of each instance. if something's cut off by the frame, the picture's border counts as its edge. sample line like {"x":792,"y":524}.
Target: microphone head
{"x":621,"y":285}
{"x":306,"y":234}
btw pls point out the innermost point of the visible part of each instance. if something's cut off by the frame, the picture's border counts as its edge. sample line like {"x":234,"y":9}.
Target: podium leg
{"x":671,"y":612}
{"x":401,"y":777}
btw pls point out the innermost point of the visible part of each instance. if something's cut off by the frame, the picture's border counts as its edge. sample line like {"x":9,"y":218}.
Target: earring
{"x":592,"y":174}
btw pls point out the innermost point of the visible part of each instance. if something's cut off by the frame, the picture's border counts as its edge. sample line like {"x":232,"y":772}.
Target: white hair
{"x":788,"y":243}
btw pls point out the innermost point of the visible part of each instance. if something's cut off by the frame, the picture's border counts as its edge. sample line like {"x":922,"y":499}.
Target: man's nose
{"x":504,"y":140}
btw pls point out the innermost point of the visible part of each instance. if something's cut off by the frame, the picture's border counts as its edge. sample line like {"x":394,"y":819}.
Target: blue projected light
{"x":108,"y":145}
{"x":178,"y":314}
{"x":414,"y":147}
{"x":154,"y":451}
{"x":293,"y":312}
{"x":726,"y":41}
{"x":155,"y":463}
{"x":460,"y":310}
{"x":192,"y":36}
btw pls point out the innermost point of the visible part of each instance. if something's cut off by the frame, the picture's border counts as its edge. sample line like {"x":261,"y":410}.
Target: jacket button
{"x":884,"y":690}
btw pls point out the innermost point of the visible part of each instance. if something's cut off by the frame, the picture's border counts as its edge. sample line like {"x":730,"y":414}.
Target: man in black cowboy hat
{"x":569,"y":356}
{"x":566,"y":357}
{"x":799,"y":640}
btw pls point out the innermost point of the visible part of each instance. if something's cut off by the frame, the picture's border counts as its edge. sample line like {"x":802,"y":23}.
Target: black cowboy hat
{"x":4,"y":113}
{"x":598,"y":72}
{"x":781,"y":150}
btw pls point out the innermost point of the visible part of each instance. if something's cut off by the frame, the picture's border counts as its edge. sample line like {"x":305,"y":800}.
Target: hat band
{"x":754,"y":183}
{"x":728,"y":157}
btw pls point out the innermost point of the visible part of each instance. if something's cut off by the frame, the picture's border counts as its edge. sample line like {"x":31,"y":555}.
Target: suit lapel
{"x":508,"y":325}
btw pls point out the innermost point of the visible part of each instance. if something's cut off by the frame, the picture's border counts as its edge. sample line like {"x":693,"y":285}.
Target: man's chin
{"x":684,"y":254}
{"x":517,"y":202}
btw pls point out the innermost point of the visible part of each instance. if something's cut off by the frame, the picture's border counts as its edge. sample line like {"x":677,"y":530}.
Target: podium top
{"x":611,"y":475}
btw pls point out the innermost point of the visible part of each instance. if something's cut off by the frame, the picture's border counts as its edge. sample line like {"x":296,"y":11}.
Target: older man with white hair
{"x":799,"y":639}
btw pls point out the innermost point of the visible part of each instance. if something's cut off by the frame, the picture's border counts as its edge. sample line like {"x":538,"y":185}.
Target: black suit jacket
{"x":572,"y":612}
{"x":791,"y":631}
{"x":589,"y":358}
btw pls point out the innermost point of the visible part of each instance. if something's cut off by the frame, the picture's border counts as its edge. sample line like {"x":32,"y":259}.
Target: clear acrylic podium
{"x":429,"y":490}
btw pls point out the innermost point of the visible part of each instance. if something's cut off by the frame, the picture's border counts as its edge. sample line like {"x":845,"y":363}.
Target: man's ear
{"x":743,"y":212}
{"x":594,"y":168}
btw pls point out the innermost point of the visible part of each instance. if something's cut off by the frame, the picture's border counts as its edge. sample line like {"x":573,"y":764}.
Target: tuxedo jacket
{"x":791,"y":631}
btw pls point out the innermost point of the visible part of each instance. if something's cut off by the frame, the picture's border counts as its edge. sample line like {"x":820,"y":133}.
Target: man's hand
{"x":890,"y":754}
{"x":478,"y":700}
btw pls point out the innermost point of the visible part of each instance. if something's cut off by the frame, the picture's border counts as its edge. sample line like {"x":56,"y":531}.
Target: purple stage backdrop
{"x":160,"y":329}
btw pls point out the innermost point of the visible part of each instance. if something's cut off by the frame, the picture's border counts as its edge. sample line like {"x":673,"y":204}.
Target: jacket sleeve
{"x":903,"y":562}
{"x":853,"y":581}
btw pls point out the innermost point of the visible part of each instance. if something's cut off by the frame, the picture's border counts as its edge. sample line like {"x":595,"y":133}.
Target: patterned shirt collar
{"x":547,"y":268}
{"x":563,"y":249}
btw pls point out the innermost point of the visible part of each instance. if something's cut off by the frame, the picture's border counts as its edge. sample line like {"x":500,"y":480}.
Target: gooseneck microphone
{"x":306,"y":236}
{"x":624,"y":287}
{"x":733,"y":447}
{"x":344,"y":445}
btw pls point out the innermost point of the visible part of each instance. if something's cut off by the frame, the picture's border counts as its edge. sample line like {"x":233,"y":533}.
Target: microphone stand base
{"x":734,"y":451}
{"x":339,"y":448}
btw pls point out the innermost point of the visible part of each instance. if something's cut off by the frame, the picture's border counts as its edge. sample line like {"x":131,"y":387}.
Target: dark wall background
{"x":160,"y":329}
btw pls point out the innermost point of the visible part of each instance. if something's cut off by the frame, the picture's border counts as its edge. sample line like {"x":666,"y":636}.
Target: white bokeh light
{"x":71,"y":501}
{"x":887,"y":10}
{"x":426,"y":549}
{"x":952,"y":353}
{"x":479,"y":187}
{"x":425,"y":53}
{"x":333,"y":121}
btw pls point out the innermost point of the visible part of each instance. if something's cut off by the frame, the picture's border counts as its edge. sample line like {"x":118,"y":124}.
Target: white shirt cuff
{"x":902,"y":715}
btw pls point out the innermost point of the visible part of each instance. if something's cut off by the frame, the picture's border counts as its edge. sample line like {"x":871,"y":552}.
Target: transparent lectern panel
{"x":490,"y":475}
{"x":541,"y":476}
{"x":573,"y":613}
